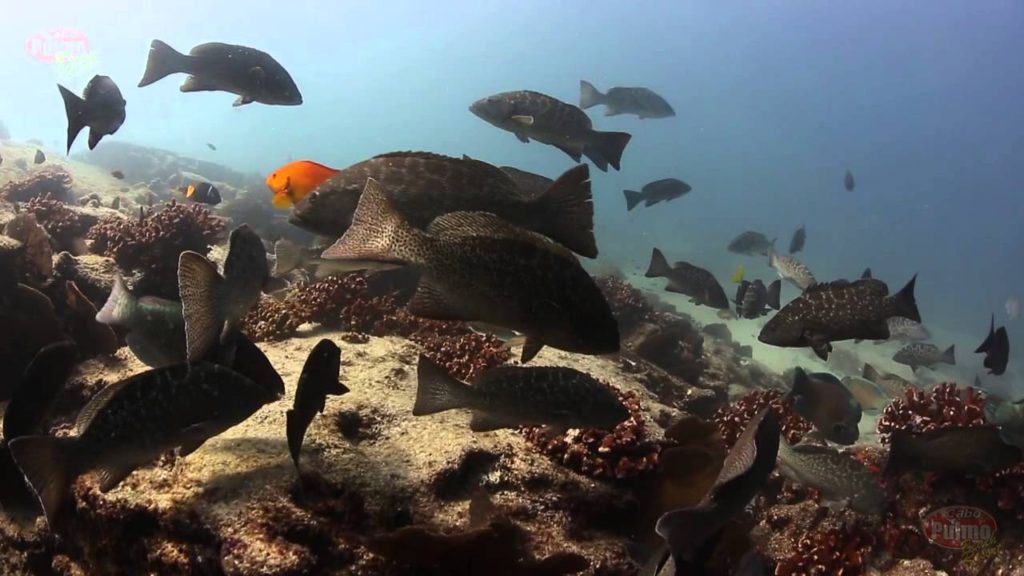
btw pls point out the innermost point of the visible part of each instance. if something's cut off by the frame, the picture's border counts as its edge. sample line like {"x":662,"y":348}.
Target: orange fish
{"x":292,"y":182}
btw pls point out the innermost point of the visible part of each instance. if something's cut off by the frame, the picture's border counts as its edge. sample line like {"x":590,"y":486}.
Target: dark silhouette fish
{"x":475,"y":266}
{"x":211,"y":146}
{"x":423,"y":186}
{"x":832,"y":311}
{"x":919,"y":354}
{"x":824,"y":402}
{"x":156,"y":327}
{"x":511,"y":396}
{"x":318,"y":379}
{"x":753,"y":299}
{"x":251,"y":74}
{"x":131,"y":423}
{"x":534,"y":115}
{"x":642,"y":102}
{"x":117,"y":174}
{"x":848,"y":182}
{"x":657,"y":191}
{"x":39,"y":158}
{"x":959,"y":450}
{"x":214,"y":305}
{"x":838,"y":477}
{"x":33,"y":397}
{"x":688,"y":531}
{"x":693,"y":281}
{"x":752,"y":244}
{"x":796,"y":243}
{"x":996,"y":349}
{"x":101,"y":109}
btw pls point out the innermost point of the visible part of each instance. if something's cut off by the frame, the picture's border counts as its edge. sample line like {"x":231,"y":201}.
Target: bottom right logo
{"x":959,"y":527}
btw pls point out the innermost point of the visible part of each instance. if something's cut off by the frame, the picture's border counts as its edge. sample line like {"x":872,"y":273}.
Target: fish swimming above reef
{"x":529,"y":114}
{"x":752,"y":244}
{"x":840,"y":310}
{"x":918,"y":354}
{"x":117,"y":174}
{"x":423,"y":186}
{"x":512,"y":396}
{"x":642,"y":102}
{"x":101,"y":108}
{"x":476,"y":266}
{"x":796,"y":243}
{"x":201,"y":192}
{"x":156,"y":327}
{"x":848,"y":181}
{"x":996,"y":349}
{"x":821,"y":399}
{"x":907,"y":330}
{"x":132,"y":422}
{"x":214,"y":305}
{"x":319,"y":379}
{"x":39,"y":158}
{"x":959,"y":450}
{"x":693,"y":281}
{"x":791,"y":270}
{"x":744,"y":473}
{"x":893,"y":385}
{"x":655,"y":192}
{"x":292,"y":182}
{"x":868,"y":394}
{"x":253,"y":75}
{"x":838,"y":477}
{"x":753,"y":299}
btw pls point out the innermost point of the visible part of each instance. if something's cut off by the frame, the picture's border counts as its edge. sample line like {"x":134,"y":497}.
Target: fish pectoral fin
{"x":113,"y":473}
{"x":523,"y":120}
{"x":523,"y":137}
{"x":430,"y":301}
{"x":243,"y":100}
{"x":820,"y":345}
{"x":196,"y":84}
{"x":282,"y":200}
{"x":195,"y":435}
{"x":481,"y":422}
{"x":531,"y":348}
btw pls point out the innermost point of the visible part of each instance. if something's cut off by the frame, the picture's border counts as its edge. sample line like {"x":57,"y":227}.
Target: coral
{"x":52,"y":181}
{"x":269,"y":320}
{"x":38,"y":257}
{"x":62,"y":223}
{"x":466,"y":356}
{"x":624,"y":452}
{"x":629,"y":305}
{"x":829,"y":552}
{"x":672,"y":343}
{"x":12,"y":263}
{"x":733,"y":418}
{"x":342,"y":301}
{"x":152,"y":244}
{"x":945,"y":406}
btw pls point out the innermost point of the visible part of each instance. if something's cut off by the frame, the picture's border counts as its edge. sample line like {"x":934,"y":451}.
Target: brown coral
{"x":152,"y":244}
{"x":466,"y":356}
{"x":624,"y":452}
{"x":60,"y":222}
{"x":945,"y":406}
{"x":52,"y":181}
{"x":733,"y":419}
{"x":833,"y":551}
{"x":629,"y":305}
{"x":270,"y":320}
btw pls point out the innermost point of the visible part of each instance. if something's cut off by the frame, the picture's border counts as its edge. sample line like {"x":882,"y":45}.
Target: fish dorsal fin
{"x":101,"y":399}
{"x":413,"y":154}
{"x":825,"y":286}
{"x":472,"y":224}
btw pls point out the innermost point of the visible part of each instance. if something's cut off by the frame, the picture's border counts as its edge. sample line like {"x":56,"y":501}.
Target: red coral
{"x":153,"y":243}
{"x":62,"y":223}
{"x":945,"y":406}
{"x":833,"y":551}
{"x":51,"y":181}
{"x":733,"y":418}
{"x":629,"y":305}
{"x":626,"y":451}
{"x":270,"y":319}
{"x":468,"y":355}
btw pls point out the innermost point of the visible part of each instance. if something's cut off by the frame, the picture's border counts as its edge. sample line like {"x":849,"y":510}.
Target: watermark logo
{"x":959,"y":527}
{"x":67,"y":49}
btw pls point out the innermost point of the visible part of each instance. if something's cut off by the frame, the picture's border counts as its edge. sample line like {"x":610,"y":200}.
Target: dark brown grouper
{"x":529,"y":114}
{"x":643,"y":102}
{"x":318,"y":379}
{"x":251,"y":74}
{"x":693,"y":281}
{"x":821,"y":399}
{"x":131,"y":423}
{"x":423,"y":186}
{"x":833,"y":311}
{"x":959,"y":450}
{"x":475,"y":266}
{"x":511,"y":396}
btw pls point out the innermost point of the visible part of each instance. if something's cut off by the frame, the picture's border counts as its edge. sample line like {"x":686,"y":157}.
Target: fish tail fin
{"x":436,"y":390}
{"x":120,"y":305}
{"x":988,"y":339}
{"x":632,"y":198}
{"x":589,"y":95}
{"x":287,"y":256}
{"x":163,"y":61}
{"x":949,"y":355}
{"x":74,"y":108}
{"x":378,"y":232}
{"x":774,"y":294}
{"x":869,"y":372}
{"x":606,"y":148}
{"x":569,"y":211}
{"x":905,"y":304}
{"x":199,"y":288}
{"x":659,"y":265}
{"x":686,"y":529}
{"x":866,"y":274}
{"x":50,"y":466}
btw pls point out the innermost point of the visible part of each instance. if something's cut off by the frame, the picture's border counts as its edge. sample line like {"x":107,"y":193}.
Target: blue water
{"x":775,"y":99}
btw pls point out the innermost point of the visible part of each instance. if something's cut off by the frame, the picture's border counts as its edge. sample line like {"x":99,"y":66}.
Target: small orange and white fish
{"x":293,"y":181}
{"x":202,"y":192}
